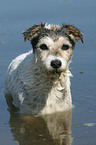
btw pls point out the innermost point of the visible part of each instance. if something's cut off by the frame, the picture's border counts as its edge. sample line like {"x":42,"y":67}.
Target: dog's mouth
{"x":55,"y":72}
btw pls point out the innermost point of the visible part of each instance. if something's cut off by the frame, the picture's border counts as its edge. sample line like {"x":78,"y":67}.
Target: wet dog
{"x":38,"y":82}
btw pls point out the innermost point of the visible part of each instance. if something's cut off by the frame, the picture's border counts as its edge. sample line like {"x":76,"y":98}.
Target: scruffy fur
{"x":38,"y":82}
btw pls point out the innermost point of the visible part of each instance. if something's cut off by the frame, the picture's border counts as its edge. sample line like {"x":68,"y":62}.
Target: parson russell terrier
{"x":38,"y":82}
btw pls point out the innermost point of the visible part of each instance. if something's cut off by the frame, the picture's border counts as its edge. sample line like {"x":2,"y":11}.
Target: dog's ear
{"x":73,"y":32}
{"x":32,"y":32}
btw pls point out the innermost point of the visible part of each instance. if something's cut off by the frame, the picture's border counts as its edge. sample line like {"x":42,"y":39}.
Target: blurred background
{"x":17,"y":16}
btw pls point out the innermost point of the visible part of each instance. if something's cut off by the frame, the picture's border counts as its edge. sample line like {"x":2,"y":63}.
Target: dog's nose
{"x":56,"y":63}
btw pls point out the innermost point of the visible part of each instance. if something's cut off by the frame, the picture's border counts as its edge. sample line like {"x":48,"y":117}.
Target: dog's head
{"x":53,"y":44}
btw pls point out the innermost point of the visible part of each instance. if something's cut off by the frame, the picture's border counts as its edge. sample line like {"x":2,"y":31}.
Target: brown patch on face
{"x":58,"y":53}
{"x":65,"y":54}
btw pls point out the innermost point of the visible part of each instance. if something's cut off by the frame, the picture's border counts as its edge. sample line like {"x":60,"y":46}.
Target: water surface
{"x":76,"y":127}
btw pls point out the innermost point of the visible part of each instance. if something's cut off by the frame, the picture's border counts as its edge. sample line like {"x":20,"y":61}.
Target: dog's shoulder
{"x":19,"y":60}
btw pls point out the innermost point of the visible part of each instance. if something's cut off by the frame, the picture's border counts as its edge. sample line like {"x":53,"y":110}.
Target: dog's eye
{"x":65,"y":47}
{"x":43,"y":47}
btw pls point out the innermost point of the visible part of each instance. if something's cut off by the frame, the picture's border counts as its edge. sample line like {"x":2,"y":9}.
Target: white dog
{"x":38,"y":82}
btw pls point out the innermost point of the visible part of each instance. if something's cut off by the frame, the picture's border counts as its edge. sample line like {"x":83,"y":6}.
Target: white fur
{"x":49,"y":26}
{"x":48,"y":41}
{"x":48,"y":60}
{"x":33,"y":90}
{"x":51,"y":44}
{"x":72,"y":37}
{"x":39,"y":82}
{"x":64,"y":40}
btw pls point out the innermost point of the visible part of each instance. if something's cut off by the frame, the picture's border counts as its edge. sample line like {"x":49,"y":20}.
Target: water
{"x":69,"y":128}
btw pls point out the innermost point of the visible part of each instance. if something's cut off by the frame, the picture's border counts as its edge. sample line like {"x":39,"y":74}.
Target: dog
{"x":38,"y":82}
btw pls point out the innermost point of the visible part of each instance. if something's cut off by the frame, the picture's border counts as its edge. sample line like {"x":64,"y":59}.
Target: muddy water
{"x":74,"y":127}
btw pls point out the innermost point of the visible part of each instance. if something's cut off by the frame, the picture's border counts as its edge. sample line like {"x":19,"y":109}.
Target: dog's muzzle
{"x":55,"y":64}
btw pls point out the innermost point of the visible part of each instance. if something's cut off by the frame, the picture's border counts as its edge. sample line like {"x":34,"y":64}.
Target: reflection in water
{"x":54,"y":129}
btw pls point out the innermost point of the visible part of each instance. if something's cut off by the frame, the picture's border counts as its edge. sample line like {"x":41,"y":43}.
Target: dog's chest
{"x":55,"y":99}
{"x":45,"y":96}
{"x":42,"y":94}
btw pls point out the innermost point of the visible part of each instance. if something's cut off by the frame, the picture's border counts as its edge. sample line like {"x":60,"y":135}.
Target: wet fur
{"x":33,"y":84}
